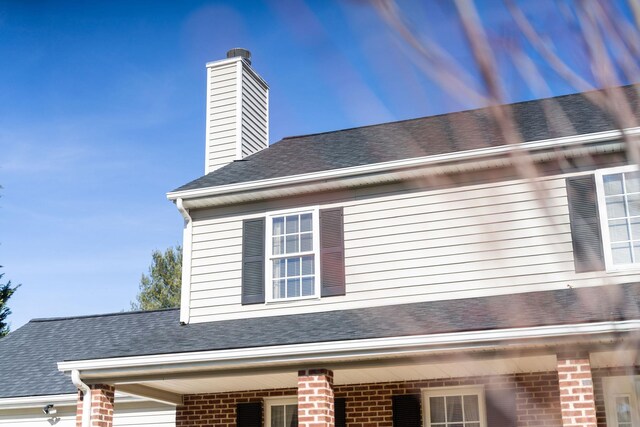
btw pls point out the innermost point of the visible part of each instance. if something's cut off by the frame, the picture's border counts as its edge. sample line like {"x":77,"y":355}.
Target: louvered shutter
{"x":340,"y":412}
{"x":585,"y":224}
{"x":249,"y":414}
{"x":406,"y":410}
{"x":253,"y":261}
{"x":501,"y":408}
{"x":332,"y":252}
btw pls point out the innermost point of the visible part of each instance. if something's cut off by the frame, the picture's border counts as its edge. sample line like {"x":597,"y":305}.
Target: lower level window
{"x":282,"y":413}
{"x":455,"y":407}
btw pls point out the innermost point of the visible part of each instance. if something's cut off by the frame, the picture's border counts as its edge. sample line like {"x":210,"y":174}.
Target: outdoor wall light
{"x":49,"y":409}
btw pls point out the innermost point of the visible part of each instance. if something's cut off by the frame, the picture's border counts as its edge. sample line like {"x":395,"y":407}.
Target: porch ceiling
{"x":354,"y":374}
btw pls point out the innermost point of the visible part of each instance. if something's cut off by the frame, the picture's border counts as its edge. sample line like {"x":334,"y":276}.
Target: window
{"x":454,"y":407}
{"x":293,"y":255}
{"x":621,"y":401}
{"x":282,"y":412}
{"x":619,"y":207}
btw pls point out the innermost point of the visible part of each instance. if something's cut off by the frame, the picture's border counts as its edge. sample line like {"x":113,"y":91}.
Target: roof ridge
{"x":86,"y":316}
{"x":452,"y":113}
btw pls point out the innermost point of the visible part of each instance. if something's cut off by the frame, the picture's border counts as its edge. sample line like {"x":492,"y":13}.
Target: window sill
{"x":288,"y":300}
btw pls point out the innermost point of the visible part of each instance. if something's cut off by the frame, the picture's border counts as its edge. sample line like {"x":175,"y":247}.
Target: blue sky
{"x":102,"y":107}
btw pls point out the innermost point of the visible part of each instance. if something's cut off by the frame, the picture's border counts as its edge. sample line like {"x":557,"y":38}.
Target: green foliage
{"x":161,"y":287}
{"x":5,"y":293}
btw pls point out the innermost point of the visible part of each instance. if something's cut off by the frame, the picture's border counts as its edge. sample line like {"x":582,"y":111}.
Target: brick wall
{"x":200,"y":410}
{"x":102,"y":402}
{"x":369,"y":405}
{"x":315,"y":398}
{"x":576,"y":392}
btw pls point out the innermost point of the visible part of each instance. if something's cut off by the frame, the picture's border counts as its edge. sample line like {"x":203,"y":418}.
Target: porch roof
{"x":29,"y":355}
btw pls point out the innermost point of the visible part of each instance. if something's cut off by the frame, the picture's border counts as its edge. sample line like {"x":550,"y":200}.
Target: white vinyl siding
{"x":254,"y":114}
{"x":221,"y":115}
{"x":237,"y":113}
{"x":406,"y":245}
{"x":138,"y":414}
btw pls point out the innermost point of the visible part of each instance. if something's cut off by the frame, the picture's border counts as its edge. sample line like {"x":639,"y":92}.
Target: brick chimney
{"x":237,"y":110}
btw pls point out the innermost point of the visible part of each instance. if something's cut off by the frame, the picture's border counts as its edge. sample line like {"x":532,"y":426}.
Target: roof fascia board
{"x":344,"y":350}
{"x":405,"y":163}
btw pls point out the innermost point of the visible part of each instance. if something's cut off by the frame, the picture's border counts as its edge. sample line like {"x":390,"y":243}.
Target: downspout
{"x":86,"y":400}
{"x":185,"y":288}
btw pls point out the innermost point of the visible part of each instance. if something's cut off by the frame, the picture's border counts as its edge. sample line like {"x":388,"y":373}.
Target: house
{"x":403,"y":274}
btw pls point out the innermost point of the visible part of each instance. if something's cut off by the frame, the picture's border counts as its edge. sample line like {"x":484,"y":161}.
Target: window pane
{"x":615,"y":207}
{"x":278,"y":289}
{"x":306,"y":242}
{"x":307,"y":286}
{"x":278,"y":268}
{"x":436,"y":407}
{"x":293,"y":288}
{"x":277,"y":416}
{"x":473,"y":424}
{"x":621,"y":253}
{"x":613,"y":184}
{"x":632,"y":182}
{"x":636,"y":251}
{"x":623,"y":409}
{"x":278,"y":226}
{"x":454,"y":408}
{"x":292,"y":244}
{"x":305,"y":222}
{"x":293,"y":267}
{"x":634,"y":204}
{"x":471,"y":408}
{"x":278,"y":245}
{"x":618,"y":230}
{"x":307,"y":265}
{"x":292,"y":224}
{"x":291,"y":416}
{"x":635,"y":228}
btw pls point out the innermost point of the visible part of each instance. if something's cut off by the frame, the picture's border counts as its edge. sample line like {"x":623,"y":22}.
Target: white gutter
{"x":402,"y":164}
{"x":185,"y":288}
{"x":86,"y":400}
{"x":341,"y":351}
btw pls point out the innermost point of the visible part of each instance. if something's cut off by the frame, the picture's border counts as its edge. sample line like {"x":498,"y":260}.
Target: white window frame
{"x":604,"y":220}
{"x":276,"y":401}
{"x":453,"y":391}
{"x":625,"y":386}
{"x":315,"y":218}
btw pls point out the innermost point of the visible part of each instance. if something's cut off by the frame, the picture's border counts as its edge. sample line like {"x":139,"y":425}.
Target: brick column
{"x":315,"y":398}
{"x":102,"y":396}
{"x":577,"y":402}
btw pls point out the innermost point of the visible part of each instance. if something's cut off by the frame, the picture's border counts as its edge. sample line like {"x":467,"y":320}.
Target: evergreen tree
{"x":5,"y":293}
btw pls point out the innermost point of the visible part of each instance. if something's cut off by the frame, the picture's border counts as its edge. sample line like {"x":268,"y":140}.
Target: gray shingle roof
{"x":537,"y":120}
{"x":29,"y":355}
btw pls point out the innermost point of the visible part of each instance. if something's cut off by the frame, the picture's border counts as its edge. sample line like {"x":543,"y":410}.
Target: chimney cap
{"x":239,"y":52}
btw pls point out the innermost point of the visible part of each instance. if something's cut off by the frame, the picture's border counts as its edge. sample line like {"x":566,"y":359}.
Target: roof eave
{"x":377,"y":173}
{"x":164,"y":365}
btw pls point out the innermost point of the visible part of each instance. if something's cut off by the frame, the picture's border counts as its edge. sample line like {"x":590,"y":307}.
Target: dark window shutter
{"x":340,"y":412}
{"x":249,"y":414}
{"x":501,"y":408}
{"x":253,"y":261}
{"x":407,"y":411}
{"x":585,"y":224}
{"x":332,"y":252}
